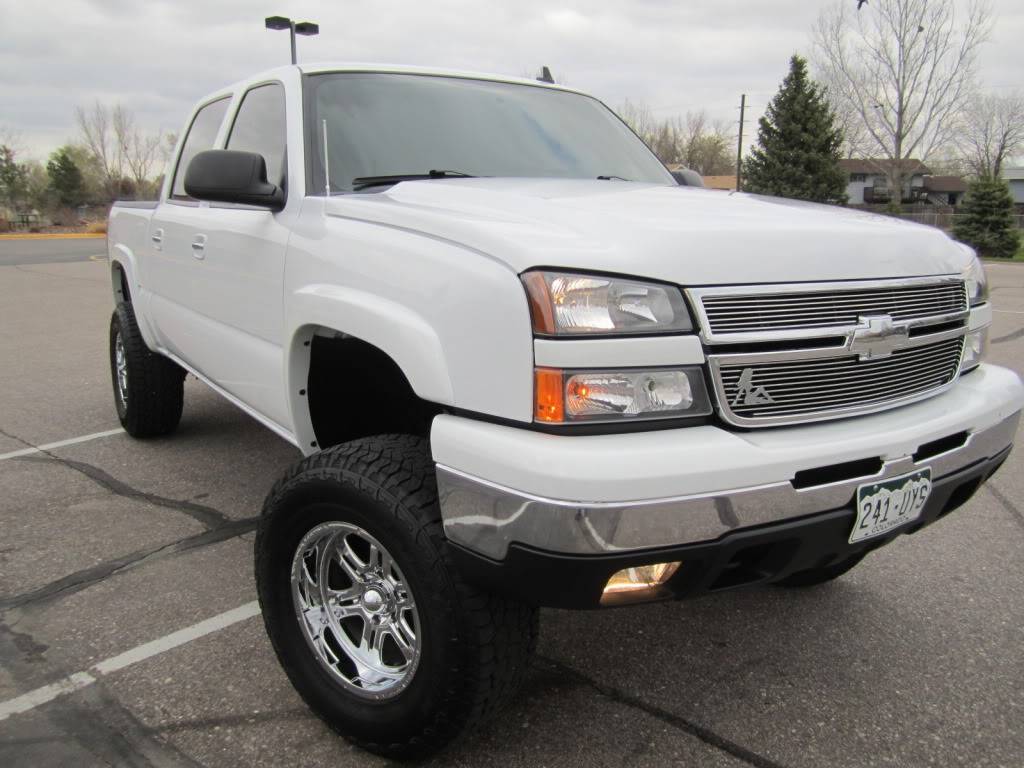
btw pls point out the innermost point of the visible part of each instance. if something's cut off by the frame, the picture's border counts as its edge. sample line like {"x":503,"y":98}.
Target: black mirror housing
{"x":229,"y":176}
{"x":687,"y":178}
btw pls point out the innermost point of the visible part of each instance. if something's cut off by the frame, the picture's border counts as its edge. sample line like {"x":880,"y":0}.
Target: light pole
{"x":307,"y":28}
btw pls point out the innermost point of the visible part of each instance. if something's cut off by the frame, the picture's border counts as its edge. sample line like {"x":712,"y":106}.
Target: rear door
{"x":234,"y":256}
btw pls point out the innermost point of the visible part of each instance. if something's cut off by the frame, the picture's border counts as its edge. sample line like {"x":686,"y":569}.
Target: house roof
{"x":912,"y":167}
{"x":727,"y":183}
{"x":945,"y":184}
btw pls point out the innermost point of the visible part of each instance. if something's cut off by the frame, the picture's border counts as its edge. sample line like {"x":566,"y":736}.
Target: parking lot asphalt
{"x":110,"y":545}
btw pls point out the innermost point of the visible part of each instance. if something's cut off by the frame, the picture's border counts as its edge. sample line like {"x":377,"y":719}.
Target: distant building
{"x":1015,"y":178}
{"x":868,"y":183}
{"x":728,"y":183}
{"x":945,"y":190}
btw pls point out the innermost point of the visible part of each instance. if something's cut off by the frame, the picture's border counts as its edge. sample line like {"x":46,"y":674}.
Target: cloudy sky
{"x":156,"y":57}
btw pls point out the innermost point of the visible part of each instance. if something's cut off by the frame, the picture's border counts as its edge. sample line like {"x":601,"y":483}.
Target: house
{"x":945,"y":190}
{"x":868,"y":183}
{"x":1015,"y":178}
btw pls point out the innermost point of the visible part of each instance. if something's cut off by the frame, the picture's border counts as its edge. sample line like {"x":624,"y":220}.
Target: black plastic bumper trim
{"x":758,"y":555}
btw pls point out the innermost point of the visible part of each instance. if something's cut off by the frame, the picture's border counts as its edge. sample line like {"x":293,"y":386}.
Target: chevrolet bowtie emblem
{"x":877,"y":336}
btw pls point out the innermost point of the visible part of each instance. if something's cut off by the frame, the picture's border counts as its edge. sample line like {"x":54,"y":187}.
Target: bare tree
{"x":857,"y":142}
{"x":903,"y":67}
{"x":707,"y":145}
{"x":119,"y":146}
{"x":991,"y":131}
{"x":140,"y":151}
{"x":98,"y":134}
{"x":640,"y":118}
{"x":697,"y":142}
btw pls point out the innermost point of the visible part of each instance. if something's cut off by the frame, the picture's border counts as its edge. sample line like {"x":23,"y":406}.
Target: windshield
{"x":392,"y":124}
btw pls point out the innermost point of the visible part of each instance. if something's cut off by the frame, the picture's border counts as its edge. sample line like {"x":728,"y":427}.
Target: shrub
{"x":987,"y":222}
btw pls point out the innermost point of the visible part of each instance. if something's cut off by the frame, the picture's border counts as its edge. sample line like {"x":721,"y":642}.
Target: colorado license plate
{"x":884,"y":506}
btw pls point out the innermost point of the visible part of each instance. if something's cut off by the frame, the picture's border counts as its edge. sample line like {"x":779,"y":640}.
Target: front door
{"x":226,"y":317}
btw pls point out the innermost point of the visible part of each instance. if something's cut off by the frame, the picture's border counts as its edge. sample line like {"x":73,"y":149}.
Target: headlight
{"x":562,"y":397}
{"x":977,"y":282}
{"x":579,"y":305}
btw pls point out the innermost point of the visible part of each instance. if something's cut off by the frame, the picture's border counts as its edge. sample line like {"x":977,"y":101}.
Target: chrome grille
{"x":729,"y":312}
{"x":829,"y":387}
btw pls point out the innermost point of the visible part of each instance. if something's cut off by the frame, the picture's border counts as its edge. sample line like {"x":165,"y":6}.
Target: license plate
{"x":885,"y":506}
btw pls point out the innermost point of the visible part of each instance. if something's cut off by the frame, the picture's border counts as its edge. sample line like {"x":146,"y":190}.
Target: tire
{"x":814,"y":576}
{"x":469,"y":649}
{"x":148,"y":387}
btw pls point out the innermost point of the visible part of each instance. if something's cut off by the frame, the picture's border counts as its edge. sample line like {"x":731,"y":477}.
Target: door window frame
{"x":284,"y":103}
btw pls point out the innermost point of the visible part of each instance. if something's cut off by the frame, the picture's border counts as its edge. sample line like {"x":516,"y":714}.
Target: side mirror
{"x":228,"y":176}
{"x":687,"y":178}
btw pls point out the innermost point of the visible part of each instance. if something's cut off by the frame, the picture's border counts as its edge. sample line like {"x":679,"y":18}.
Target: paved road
{"x":107,"y":545}
{"x":28,"y":252}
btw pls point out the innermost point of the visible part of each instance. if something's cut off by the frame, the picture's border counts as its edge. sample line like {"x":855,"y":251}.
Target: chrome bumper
{"x":486,"y":517}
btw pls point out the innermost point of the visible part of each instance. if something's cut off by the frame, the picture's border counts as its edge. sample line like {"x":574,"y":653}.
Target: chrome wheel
{"x":121,"y":371}
{"x":356,"y":610}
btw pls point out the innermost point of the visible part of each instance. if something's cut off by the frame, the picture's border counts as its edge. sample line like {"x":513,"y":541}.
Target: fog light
{"x":641,"y":582}
{"x":975,"y":346}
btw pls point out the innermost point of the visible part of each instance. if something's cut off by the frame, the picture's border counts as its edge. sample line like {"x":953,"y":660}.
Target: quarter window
{"x":201,"y":135}
{"x":260,"y":128}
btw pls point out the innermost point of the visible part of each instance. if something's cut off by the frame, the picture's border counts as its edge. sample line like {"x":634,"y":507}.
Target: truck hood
{"x":684,"y":235}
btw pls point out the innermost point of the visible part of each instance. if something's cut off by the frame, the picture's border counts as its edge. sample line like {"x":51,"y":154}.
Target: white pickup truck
{"x":526,"y":368}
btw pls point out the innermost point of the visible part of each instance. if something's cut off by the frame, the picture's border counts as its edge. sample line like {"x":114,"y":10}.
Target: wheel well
{"x":356,"y":390}
{"x":119,"y":282}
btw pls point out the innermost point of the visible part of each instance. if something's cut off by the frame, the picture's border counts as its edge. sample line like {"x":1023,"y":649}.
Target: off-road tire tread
{"x":398,"y":471}
{"x":156,"y":391}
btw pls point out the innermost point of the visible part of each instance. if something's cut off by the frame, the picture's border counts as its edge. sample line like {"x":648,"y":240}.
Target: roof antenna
{"x":327,"y":167}
{"x":545,"y":76}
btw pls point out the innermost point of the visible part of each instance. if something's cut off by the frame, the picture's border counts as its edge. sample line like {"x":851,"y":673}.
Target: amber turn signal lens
{"x":541,"y":309}
{"x":548,"y":402}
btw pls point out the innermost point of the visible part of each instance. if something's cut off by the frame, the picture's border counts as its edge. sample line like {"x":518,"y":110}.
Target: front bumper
{"x":759,"y":555}
{"x":550,"y":518}
{"x":588,"y":495}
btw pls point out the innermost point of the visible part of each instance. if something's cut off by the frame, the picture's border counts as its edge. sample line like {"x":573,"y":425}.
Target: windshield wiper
{"x":609,"y":178}
{"x":363,"y":182}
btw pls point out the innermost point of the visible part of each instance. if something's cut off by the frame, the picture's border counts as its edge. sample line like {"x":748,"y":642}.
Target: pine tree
{"x":987,"y":222}
{"x":65,"y":178}
{"x":13,"y":179}
{"x":798,"y":144}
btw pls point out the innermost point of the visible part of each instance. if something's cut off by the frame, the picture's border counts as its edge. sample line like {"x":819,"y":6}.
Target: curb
{"x":59,"y":236}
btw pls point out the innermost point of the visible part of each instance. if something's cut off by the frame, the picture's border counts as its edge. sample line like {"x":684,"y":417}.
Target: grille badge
{"x":877,"y":336}
{"x":747,"y":394}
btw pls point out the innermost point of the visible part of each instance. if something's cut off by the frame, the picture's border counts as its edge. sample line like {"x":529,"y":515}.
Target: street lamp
{"x":307,"y":28}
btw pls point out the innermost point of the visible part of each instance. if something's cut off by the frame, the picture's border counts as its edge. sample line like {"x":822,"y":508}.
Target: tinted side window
{"x":201,"y":135}
{"x":260,"y":128}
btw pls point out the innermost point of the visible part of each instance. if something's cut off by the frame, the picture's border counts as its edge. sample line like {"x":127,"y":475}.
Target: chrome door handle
{"x":157,"y":237}
{"x":199,"y":246}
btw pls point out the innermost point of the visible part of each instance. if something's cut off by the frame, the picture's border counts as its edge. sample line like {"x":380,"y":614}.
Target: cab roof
{"x":338,"y":66}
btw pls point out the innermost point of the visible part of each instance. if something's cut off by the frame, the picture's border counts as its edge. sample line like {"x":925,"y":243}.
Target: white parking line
{"x":78,"y":680}
{"x":60,"y":444}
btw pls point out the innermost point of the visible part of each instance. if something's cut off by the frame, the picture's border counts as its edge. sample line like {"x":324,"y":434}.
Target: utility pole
{"x":739,"y":145}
